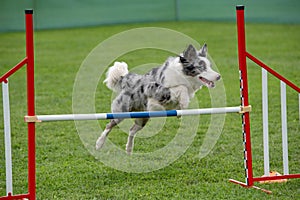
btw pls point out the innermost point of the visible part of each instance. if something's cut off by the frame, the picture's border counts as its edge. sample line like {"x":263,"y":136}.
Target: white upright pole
{"x":7,"y":138}
{"x":265,"y":121}
{"x":284,"y":128}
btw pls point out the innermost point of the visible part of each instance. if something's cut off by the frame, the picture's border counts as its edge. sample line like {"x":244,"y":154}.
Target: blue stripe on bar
{"x":165,"y":113}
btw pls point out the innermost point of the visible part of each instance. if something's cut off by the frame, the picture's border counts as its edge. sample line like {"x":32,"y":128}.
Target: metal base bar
{"x":246,"y":186}
{"x":269,"y":178}
{"x":15,"y":197}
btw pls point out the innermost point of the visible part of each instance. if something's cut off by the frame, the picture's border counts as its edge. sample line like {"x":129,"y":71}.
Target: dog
{"x":170,"y":86}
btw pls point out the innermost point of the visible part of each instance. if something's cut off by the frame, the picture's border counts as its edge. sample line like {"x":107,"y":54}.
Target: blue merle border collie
{"x":170,"y":86}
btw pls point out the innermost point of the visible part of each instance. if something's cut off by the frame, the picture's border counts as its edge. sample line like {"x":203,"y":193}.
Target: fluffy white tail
{"x":114,"y":74}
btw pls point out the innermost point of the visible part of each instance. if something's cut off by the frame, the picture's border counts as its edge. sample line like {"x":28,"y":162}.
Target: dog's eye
{"x":190,"y":70}
{"x":190,"y":67}
{"x":202,"y":65}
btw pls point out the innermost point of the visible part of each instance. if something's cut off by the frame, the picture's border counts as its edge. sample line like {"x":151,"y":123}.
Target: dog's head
{"x":196,"y":64}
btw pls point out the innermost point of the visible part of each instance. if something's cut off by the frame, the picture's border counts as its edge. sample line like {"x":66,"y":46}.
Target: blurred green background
{"x":81,"y":13}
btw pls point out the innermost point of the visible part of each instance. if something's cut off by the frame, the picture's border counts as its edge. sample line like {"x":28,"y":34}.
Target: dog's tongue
{"x":207,"y":83}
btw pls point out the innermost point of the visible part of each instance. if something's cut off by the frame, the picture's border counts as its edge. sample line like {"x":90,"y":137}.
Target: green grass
{"x":66,"y":170}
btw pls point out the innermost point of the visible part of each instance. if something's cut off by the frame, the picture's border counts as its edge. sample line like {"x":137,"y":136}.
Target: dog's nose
{"x":218,"y":77}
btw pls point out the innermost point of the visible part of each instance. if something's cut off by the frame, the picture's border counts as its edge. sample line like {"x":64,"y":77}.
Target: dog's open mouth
{"x":207,"y":83}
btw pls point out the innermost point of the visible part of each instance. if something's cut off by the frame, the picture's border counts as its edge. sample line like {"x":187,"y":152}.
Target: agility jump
{"x":243,"y":55}
{"x":31,"y":118}
{"x":29,"y":62}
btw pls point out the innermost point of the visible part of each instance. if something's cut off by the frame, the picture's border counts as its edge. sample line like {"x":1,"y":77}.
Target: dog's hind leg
{"x":109,"y":126}
{"x":120,"y":104}
{"x":138,"y":125}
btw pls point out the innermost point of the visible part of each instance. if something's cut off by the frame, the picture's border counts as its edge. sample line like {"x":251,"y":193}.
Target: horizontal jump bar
{"x":144,"y":114}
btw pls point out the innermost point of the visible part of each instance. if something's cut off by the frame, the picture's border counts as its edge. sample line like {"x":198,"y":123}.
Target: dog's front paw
{"x":165,"y":96}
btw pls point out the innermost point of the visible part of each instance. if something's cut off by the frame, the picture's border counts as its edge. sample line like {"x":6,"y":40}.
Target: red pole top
{"x":240,"y":7}
{"x":28,"y":11}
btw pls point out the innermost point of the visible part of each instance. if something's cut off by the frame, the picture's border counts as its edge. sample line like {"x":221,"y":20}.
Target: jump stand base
{"x":247,"y":186}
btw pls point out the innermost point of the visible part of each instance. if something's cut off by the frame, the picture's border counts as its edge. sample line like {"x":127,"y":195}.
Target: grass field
{"x":66,"y":170}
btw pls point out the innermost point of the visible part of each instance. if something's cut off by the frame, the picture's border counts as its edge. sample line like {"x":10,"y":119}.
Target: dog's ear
{"x":190,"y":53}
{"x":203,"y":51}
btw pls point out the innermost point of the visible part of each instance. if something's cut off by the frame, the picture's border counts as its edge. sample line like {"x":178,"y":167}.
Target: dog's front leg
{"x":154,"y":105}
{"x":184,"y":102}
{"x":181,"y":96}
{"x":184,"y":98}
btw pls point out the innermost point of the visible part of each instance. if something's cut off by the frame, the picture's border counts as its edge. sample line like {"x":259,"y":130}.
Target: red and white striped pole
{"x":30,"y":104}
{"x":244,"y":93}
